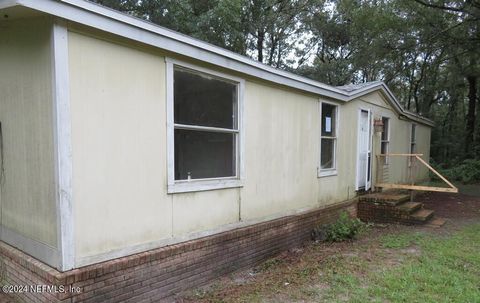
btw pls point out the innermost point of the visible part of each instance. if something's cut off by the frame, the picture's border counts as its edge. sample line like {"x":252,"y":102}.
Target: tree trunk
{"x":470,"y":127}
{"x":260,"y":39}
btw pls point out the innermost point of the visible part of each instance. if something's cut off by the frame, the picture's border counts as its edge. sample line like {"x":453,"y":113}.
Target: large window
{"x":328,"y":139}
{"x":206,"y":130}
{"x":385,"y":139}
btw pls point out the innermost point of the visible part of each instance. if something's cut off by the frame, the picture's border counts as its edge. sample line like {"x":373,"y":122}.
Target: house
{"x":137,"y":162}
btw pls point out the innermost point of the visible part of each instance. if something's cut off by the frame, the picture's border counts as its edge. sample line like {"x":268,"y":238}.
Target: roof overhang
{"x":111,"y":21}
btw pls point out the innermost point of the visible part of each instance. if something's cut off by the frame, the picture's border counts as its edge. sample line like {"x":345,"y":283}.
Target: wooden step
{"x":422,"y":215}
{"x":436,"y":222}
{"x":410,"y":207}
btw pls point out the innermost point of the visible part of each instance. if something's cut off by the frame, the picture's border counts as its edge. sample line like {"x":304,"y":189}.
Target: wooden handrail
{"x":436,"y":173}
{"x":452,"y":189}
{"x":394,"y":155}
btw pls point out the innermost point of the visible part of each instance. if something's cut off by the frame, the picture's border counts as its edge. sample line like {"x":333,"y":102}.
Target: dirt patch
{"x":300,"y":274}
{"x":452,"y":206}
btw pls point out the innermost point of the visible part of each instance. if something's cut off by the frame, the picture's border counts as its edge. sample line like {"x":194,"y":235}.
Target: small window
{"x":328,"y":138}
{"x":204,"y":125}
{"x":385,"y":139}
{"x":413,"y":140}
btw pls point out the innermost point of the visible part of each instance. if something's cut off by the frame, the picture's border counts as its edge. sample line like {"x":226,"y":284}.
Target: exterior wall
{"x":118,"y":138}
{"x":281,"y":151}
{"x":121,"y":205}
{"x":27,"y":196}
{"x":400,"y":131}
{"x":161,"y":273}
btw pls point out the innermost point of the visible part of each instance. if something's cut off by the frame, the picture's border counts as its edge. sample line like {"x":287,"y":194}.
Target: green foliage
{"x":426,"y":51}
{"x":467,"y":172}
{"x":399,"y":240}
{"x":344,"y":228}
{"x":269,"y":264}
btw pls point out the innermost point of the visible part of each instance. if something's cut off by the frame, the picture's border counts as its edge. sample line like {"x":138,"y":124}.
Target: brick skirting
{"x":382,"y":213}
{"x":161,"y":273}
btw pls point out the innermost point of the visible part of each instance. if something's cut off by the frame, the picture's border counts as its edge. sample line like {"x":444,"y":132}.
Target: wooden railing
{"x":413,"y":165}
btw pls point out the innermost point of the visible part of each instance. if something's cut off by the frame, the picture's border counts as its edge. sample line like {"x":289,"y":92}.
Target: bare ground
{"x":296,"y":275}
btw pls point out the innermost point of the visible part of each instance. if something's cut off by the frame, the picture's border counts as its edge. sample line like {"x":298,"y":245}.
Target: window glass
{"x":384,"y":148}
{"x":327,"y":155}
{"x":200,"y":154}
{"x":385,"y":129}
{"x":413,"y":147}
{"x":203,"y":100}
{"x":328,"y":120}
{"x":385,"y":139}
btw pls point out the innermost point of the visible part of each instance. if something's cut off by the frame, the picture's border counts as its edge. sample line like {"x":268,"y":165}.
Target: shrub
{"x":344,"y":228}
{"x":466,"y":172}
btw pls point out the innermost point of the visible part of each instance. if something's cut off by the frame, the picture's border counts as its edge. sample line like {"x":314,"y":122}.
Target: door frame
{"x":368,"y":170}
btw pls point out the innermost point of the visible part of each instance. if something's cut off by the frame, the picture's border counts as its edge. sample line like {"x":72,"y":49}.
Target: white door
{"x":364,"y":151}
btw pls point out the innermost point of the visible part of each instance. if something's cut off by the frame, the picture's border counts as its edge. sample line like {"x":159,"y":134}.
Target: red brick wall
{"x":163,"y":272}
{"x":378,"y":212}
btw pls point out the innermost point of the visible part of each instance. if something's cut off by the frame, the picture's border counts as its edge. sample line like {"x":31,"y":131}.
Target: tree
{"x":425,"y":50}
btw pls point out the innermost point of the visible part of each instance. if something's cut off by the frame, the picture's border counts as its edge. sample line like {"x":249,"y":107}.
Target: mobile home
{"x":151,"y":161}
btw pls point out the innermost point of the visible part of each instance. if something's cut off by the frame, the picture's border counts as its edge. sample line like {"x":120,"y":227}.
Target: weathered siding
{"x":118,"y":138}
{"x":281,"y":151}
{"x":121,"y":205}
{"x":399,"y":138}
{"x":27,"y":198}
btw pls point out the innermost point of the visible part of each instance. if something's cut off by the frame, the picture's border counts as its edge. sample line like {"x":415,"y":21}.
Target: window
{"x":204,"y":125}
{"x":385,"y":139}
{"x":413,"y":140}
{"x":328,"y":140}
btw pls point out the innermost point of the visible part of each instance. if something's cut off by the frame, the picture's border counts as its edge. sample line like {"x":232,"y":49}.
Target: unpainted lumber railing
{"x":414,"y":160}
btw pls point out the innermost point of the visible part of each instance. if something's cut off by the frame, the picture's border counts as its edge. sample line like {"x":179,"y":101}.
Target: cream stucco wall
{"x":121,"y":205}
{"x":27,"y":196}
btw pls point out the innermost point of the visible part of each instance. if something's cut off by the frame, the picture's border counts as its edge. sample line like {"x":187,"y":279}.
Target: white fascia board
{"x":392,"y":100}
{"x":108,"y":20}
{"x":408,"y":114}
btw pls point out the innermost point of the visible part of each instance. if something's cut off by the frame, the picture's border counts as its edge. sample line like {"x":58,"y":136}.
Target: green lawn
{"x":393,"y":264}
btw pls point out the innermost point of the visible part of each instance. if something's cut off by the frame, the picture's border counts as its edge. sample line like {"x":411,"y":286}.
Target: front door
{"x":364,"y":160}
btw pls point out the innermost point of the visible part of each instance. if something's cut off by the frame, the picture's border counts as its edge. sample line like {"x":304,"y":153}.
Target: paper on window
{"x":328,"y":124}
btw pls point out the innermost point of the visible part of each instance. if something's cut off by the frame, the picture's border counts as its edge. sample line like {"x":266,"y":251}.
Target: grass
{"x":405,"y":266}
{"x":447,"y":270}
{"x":396,"y":240}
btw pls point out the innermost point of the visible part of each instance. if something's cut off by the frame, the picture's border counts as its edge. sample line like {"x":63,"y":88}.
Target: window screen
{"x":413,"y":140}
{"x":206,"y":127}
{"x":328,"y":136}
{"x":385,"y":140}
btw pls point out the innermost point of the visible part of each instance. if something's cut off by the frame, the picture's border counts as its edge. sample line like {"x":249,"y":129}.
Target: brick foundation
{"x":161,"y":273}
{"x":382,"y":213}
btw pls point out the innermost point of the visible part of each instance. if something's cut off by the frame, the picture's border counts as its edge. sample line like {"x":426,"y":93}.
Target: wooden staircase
{"x":395,"y":207}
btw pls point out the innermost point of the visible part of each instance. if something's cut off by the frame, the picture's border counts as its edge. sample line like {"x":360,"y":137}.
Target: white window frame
{"x":193,"y":185}
{"x":329,"y":171}
{"x":386,"y":162}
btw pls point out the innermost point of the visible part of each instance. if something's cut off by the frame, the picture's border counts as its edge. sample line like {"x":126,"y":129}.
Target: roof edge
{"x":117,"y":23}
